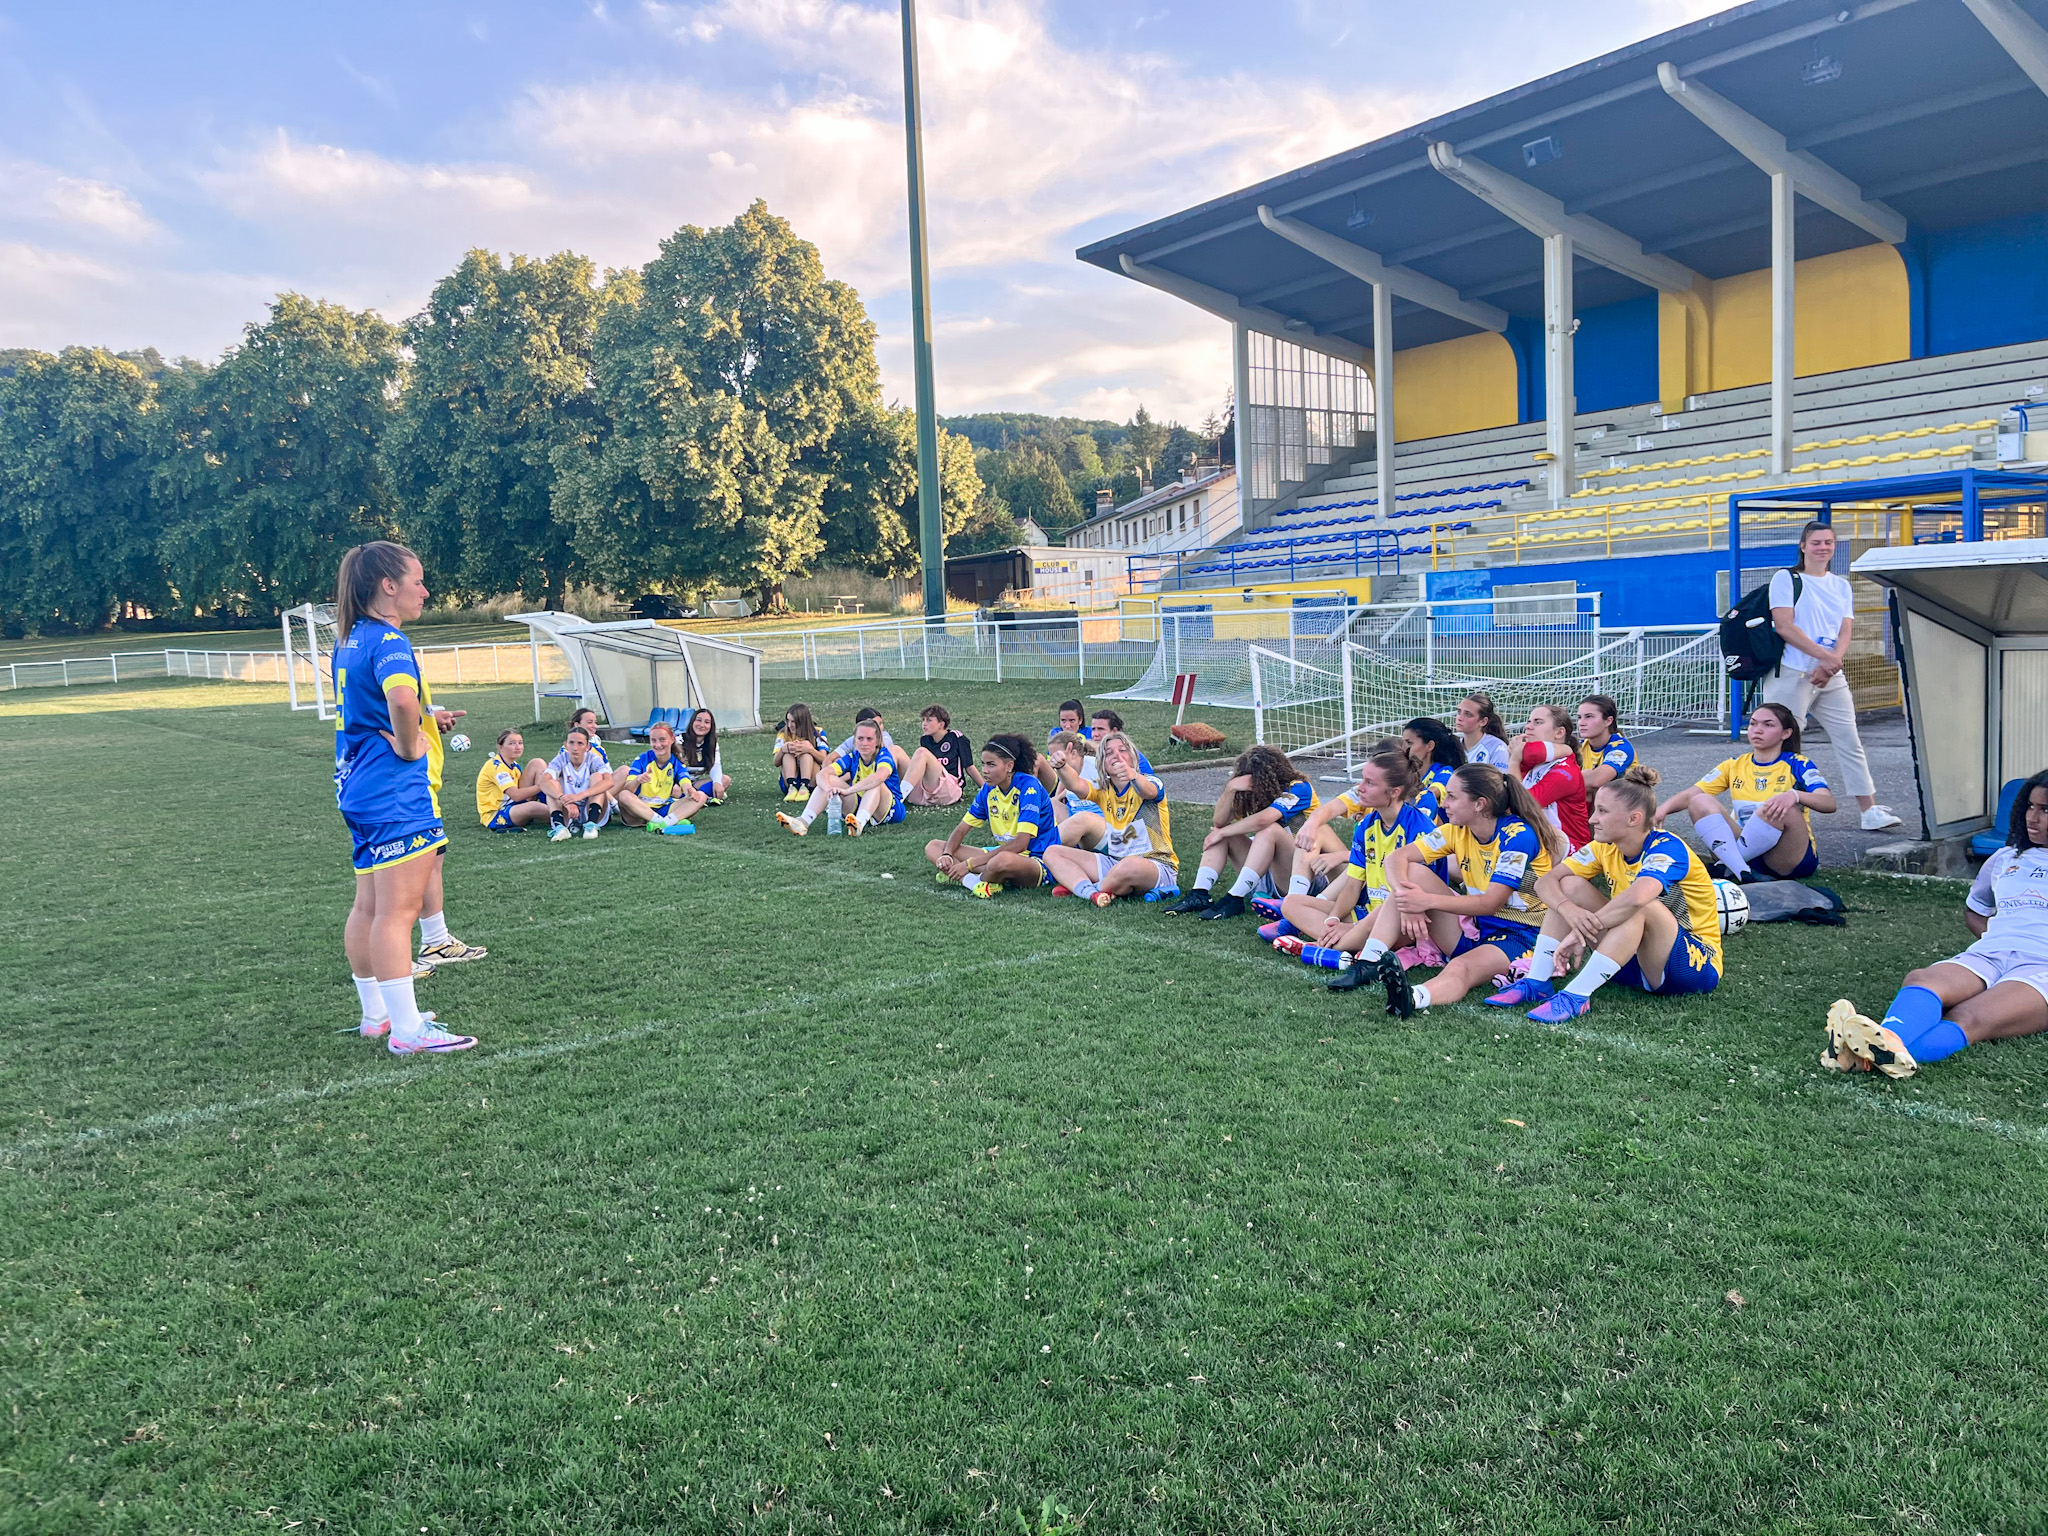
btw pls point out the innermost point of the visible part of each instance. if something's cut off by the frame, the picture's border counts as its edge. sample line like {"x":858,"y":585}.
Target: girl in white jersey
{"x":1994,"y":990}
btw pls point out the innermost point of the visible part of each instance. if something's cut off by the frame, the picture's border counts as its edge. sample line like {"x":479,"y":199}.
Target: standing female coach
{"x":380,"y":785}
{"x":1814,"y":620}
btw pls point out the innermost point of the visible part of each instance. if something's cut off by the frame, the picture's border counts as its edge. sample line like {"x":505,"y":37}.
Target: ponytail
{"x":364,"y":570}
{"x":1022,"y":755}
{"x":1490,"y":722}
{"x":1636,"y":789}
{"x":1444,"y":744}
{"x":1397,"y":768}
{"x":1504,"y":796}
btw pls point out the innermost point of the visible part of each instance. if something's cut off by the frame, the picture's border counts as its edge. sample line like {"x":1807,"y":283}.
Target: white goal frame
{"x":305,"y":627}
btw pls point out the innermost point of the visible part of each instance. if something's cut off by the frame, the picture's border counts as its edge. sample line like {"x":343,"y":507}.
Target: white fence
{"x":1088,"y":648}
{"x":443,"y":665}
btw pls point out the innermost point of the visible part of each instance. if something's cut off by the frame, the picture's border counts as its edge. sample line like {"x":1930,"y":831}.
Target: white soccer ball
{"x":1732,"y":902}
{"x":458,"y":742}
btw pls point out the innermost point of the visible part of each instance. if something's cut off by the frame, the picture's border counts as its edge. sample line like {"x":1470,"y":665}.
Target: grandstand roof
{"x":1927,"y":113}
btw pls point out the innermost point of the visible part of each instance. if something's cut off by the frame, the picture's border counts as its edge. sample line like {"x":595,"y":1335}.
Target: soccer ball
{"x":458,"y":742}
{"x":1733,"y":904}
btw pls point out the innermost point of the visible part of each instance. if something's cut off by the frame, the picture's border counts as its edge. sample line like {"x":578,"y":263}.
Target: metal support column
{"x":1383,"y":391}
{"x":931,"y":528}
{"x":1734,"y":597}
{"x":1783,"y":257}
{"x":1240,"y":392}
{"x":1559,"y":402}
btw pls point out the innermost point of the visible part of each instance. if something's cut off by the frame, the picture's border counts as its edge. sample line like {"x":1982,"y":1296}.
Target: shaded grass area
{"x":784,"y":1196}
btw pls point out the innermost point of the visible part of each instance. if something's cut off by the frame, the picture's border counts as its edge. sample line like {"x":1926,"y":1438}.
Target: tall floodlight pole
{"x":931,"y":528}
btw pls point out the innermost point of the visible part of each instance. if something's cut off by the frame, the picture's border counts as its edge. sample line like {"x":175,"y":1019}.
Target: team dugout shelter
{"x":1784,"y":189}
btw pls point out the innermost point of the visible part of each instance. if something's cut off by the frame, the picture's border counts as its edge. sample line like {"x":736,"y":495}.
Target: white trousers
{"x":1835,"y":707}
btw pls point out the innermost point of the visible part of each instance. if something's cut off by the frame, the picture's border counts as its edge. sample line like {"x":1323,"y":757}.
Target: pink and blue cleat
{"x":1562,"y":1008}
{"x":1278,"y":929}
{"x":1521,"y":994}
{"x":1266,"y":906}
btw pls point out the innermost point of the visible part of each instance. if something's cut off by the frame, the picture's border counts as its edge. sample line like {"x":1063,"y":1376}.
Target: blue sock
{"x":1324,"y":955}
{"x":1911,"y":1014}
{"x":1944,"y":1039}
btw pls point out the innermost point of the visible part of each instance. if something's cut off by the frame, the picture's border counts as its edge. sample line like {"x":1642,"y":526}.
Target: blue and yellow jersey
{"x":784,"y":740}
{"x":1688,"y":888}
{"x":1618,"y":754}
{"x":1515,"y":857}
{"x":1375,"y":840}
{"x":371,"y":781}
{"x":1023,"y":807}
{"x":1137,"y":826}
{"x":1294,"y":803}
{"x":659,"y":785}
{"x":495,"y":782}
{"x":1436,"y":778}
{"x":1749,"y":783}
{"x":853,"y":768}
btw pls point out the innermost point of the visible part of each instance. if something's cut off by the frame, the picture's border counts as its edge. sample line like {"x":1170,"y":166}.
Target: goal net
{"x":309,"y":657}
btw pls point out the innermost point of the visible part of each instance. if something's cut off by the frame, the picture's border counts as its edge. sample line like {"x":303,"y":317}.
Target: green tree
{"x":871,"y":505}
{"x":1147,"y":439}
{"x":1032,"y":486}
{"x":721,"y":391}
{"x":500,"y":379}
{"x":269,"y":464}
{"x":77,"y":534}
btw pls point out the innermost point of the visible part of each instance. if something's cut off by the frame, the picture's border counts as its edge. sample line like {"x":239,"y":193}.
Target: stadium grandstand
{"x":1791,"y":244}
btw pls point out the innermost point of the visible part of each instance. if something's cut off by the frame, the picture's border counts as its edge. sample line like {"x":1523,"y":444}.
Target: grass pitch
{"x":784,"y":1197}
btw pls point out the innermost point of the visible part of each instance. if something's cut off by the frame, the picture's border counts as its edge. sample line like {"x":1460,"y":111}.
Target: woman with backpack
{"x":1812,"y":611}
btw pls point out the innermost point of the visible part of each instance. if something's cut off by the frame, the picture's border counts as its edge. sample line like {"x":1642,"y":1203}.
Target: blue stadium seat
{"x":1986,"y":843}
{"x":1400,"y":496}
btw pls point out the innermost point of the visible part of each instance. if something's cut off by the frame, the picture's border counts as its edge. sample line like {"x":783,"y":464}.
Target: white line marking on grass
{"x":396,"y":1076}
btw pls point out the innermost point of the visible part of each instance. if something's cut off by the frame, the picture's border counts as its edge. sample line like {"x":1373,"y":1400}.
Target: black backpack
{"x":1750,"y":642}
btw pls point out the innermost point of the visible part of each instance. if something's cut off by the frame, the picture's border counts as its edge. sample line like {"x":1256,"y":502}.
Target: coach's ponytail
{"x":364,"y":570}
{"x":1505,"y":796}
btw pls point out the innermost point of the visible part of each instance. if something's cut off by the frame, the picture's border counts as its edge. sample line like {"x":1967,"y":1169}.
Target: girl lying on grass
{"x":1010,"y":806}
{"x":1994,"y":990}
{"x":1655,"y":928}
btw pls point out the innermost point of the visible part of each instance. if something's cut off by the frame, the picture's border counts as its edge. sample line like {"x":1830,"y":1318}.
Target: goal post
{"x":309,"y":642}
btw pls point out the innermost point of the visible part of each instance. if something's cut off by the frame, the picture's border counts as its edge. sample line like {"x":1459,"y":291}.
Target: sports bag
{"x":1750,"y":643}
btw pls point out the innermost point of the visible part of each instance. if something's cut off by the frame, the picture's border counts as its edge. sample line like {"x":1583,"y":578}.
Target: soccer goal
{"x":309,"y":643}
{"x":1337,"y":707}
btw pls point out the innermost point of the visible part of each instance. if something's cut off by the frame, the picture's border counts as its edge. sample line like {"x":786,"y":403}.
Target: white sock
{"x":371,"y":996}
{"x":970,"y":882}
{"x":406,"y":1024}
{"x":1086,"y":888}
{"x":1206,"y":878}
{"x":1722,"y":839}
{"x":869,"y":804}
{"x":1543,"y":963}
{"x":1298,"y":886}
{"x":1594,"y":974}
{"x":434,"y":927}
{"x":1372,"y":951}
{"x":812,"y":806}
{"x":1246,"y":879}
{"x":1421,"y":998}
{"x":1759,"y":838}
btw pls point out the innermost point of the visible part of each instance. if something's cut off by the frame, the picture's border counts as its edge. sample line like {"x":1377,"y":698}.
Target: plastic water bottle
{"x":833,"y":827}
{"x":1155,"y":895}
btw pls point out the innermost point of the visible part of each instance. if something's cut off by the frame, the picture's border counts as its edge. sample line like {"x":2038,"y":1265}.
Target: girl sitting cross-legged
{"x":1503,"y":845}
{"x":1011,"y":806}
{"x":1314,"y":928}
{"x":1124,"y":845}
{"x":1775,"y":792}
{"x":1655,"y":927}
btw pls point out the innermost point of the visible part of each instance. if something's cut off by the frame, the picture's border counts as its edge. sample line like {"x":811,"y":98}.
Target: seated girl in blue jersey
{"x":698,"y":748}
{"x":801,"y":750}
{"x":1503,"y":846}
{"x":1265,"y":792}
{"x":654,"y":790}
{"x":381,"y":789}
{"x":1775,"y":792}
{"x":1314,"y":928}
{"x":1011,"y":806}
{"x":1604,"y":755}
{"x":1994,"y":990}
{"x":1124,"y":845}
{"x":863,"y":779}
{"x":1320,"y":852}
{"x":1438,"y":753}
{"x":1655,"y":928}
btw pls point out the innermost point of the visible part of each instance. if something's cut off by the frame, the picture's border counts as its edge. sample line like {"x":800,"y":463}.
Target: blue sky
{"x":165,"y":170}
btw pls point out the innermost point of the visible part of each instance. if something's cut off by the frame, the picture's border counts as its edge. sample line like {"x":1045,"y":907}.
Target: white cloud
{"x":93,"y":209}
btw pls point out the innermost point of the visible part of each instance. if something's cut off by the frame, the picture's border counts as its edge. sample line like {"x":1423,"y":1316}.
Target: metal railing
{"x":1087,"y":647}
{"x":442,"y":664}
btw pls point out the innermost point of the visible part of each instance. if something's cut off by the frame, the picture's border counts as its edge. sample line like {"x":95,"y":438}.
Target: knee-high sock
{"x":1721,"y":838}
{"x":406,"y":1024}
{"x":1911,"y":1014}
{"x":1944,"y":1039}
{"x":1759,"y":838}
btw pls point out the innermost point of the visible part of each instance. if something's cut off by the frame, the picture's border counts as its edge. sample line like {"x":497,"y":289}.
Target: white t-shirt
{"x":575,"y":780}
{"x":2012,"y":890}
{"x":1825,"y":603}
{"x":1491,"y":751}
